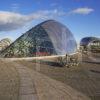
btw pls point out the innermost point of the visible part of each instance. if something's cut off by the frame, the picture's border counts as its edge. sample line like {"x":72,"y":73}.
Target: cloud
{"x":11,"y":21}
{"x":54,"y":4}
{"x":15,"y":7}
{"x":83,"y":11}
{"x":50,"y":13}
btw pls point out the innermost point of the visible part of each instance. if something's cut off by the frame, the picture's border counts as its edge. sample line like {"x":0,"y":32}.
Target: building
{"x":47,"y":38}
{"x":4,"y":43}
{"x":90,"y":44}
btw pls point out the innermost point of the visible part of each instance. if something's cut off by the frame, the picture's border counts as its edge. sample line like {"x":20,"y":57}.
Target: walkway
{"x":24,"y":83}
{"x":27,"y":89}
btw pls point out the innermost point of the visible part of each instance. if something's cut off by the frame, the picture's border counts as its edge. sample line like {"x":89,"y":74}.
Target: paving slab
{"x":27,"y":89}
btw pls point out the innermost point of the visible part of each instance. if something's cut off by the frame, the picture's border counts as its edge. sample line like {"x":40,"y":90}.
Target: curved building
{"x":47,"y":38}
{"x":4,"y":43}
{"x":87,"y":42}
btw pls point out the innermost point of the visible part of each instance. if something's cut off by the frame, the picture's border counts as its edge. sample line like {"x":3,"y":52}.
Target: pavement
{"x":18,"y":82}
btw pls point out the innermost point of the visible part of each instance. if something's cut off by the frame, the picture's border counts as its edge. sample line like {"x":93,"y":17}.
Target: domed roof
{"x":7,"y":40}
{"x":50,"y":36}
{"x":61,"y":37}
{"x":4,"y":43}
{"x":86,"y":40}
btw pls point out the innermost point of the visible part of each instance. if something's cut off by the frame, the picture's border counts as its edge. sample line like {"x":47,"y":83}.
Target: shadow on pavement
{"x":95,"y":71}
{"x":91,"y":62}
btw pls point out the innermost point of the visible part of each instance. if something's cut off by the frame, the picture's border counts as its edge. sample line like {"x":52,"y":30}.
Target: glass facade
{"x":47,"y":38}
{"x":85,"y":41}
{"x":90,"y":42}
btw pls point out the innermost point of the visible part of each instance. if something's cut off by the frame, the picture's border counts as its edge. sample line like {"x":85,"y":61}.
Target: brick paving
{"x":50,"y":89}
{"x":15,"y":82}
{"x":80,"y":78}
{"x":27,"y":89}
{"x":23,"y":83}
{"x":9,"y":82}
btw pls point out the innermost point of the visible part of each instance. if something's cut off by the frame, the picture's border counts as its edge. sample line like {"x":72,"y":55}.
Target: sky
{"x":82,"y":17}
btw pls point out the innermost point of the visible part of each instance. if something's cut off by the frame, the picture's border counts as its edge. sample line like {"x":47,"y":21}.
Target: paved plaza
{"x":22,"y":80}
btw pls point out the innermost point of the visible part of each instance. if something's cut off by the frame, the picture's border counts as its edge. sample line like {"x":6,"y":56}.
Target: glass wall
{"x":47,"y":38}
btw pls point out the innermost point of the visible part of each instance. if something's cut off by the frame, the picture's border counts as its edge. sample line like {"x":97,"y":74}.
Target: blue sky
{"x":82,"y":17}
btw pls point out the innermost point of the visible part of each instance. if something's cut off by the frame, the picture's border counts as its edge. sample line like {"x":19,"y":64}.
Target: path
{"x":32,"y":85}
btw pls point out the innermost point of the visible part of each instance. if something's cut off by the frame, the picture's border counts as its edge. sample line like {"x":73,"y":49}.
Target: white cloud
{"x":15,"y":7}
{"x":83,"y":11}
{"x":54,"y":4}
{"x":12,"y":21}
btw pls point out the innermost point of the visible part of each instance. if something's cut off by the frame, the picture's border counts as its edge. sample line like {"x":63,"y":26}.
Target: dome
{"x":85,"y":41}
{"x":47,"y":38}
{"x":4,"y":43}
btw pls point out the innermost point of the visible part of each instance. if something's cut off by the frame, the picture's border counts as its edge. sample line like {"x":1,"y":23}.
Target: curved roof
{"x":55,"y":36}
{"x":5,"y":42}
{"x":85,"y":41}
{"x":61,"y":37}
